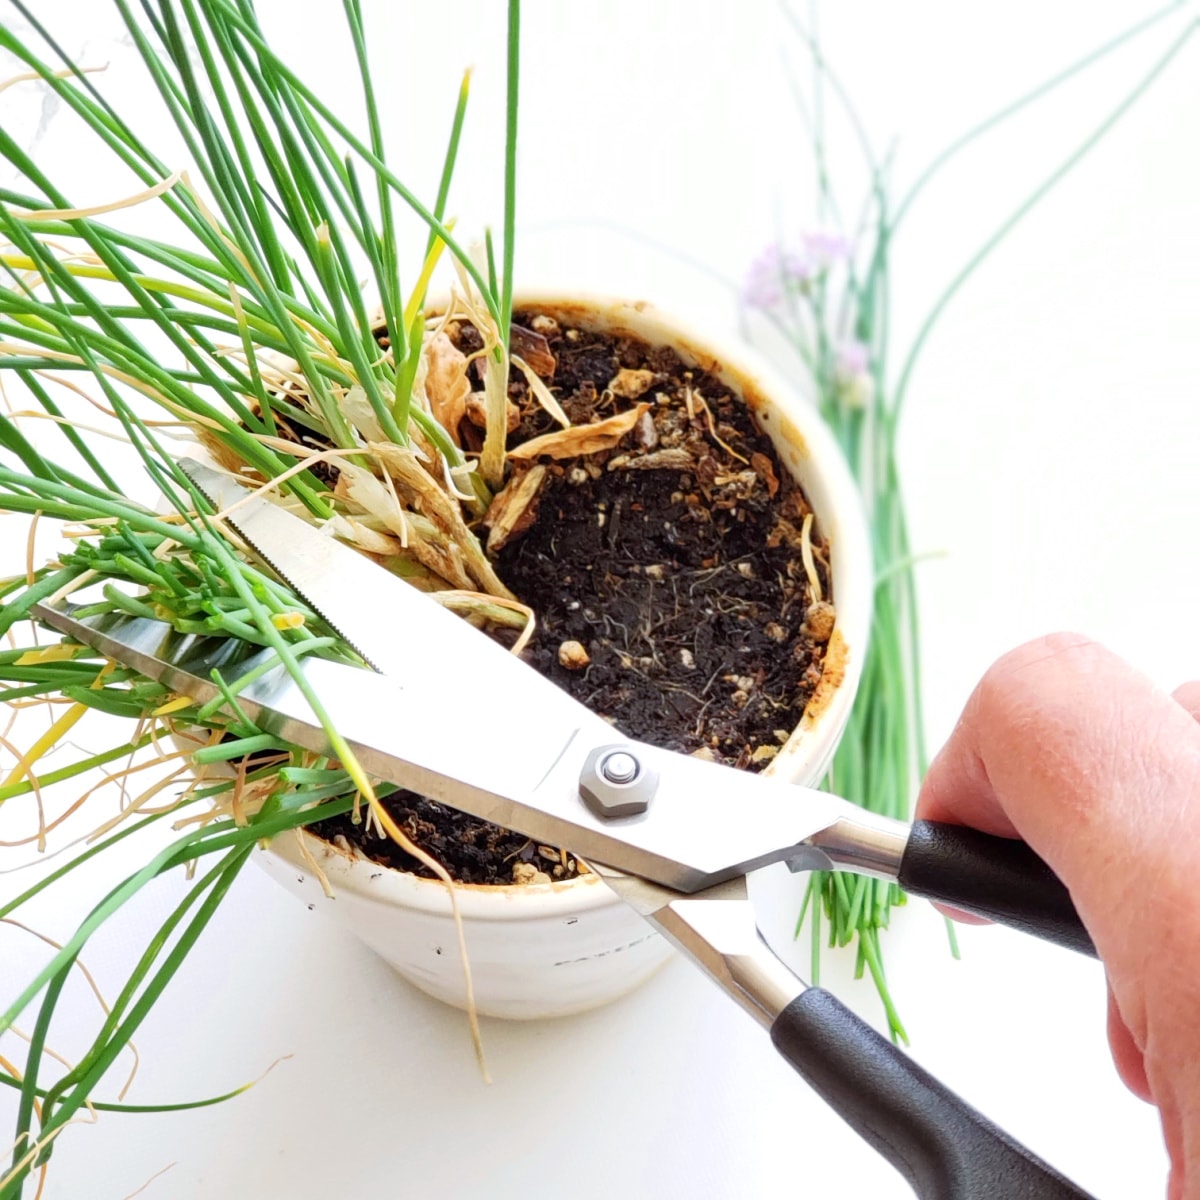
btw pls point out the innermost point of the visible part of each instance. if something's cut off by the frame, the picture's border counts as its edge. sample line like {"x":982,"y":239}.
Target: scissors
{"x":673,"y":836}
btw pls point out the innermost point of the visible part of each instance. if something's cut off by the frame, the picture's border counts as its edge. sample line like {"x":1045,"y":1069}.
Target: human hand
{"x":1068,"y":747}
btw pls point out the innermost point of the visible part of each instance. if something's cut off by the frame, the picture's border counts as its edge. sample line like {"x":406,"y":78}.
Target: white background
{"x":1050,"y":450}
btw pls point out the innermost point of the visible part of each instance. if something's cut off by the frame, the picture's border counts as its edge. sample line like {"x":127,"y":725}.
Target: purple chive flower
{"x":782,"y":269}
{"x":852,"y":373}
{"x":824,"y":249}
{"x":776,"y":271}
{"x":852,"y":359}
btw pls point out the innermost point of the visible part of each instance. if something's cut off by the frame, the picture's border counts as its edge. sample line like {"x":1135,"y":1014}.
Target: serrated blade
{"x":366,"y":605}
{"x":409,"y":637}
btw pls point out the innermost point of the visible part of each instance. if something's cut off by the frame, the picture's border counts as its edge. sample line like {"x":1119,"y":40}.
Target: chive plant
{"x":826,"y":298}
{"x":245,"y":327}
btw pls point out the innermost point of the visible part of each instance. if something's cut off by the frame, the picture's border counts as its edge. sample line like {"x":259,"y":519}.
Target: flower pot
{"x":540,"y":950}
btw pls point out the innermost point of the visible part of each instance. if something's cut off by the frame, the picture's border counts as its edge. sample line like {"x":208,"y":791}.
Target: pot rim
{"x":762,"y":385}
{"x":393,"y":888}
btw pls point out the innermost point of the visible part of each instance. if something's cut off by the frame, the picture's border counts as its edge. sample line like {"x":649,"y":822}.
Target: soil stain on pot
{"x":681,"y":588}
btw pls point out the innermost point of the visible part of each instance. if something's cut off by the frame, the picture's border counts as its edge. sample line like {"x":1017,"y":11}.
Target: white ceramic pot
{"x":546,"y":950}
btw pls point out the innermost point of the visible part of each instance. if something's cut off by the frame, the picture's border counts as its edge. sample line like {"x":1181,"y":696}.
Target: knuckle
{"x":1072,"y":649}
{"x":1187,"y":695}
{"x":1015,"y":673}
{"x":1046,"y":697}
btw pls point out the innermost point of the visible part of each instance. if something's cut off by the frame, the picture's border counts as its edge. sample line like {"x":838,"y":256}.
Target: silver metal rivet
{"x":619,"y":767}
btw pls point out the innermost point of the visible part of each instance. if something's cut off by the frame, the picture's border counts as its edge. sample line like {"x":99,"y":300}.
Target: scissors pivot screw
{"x":619,"y":767}
{"x":615,"y":783}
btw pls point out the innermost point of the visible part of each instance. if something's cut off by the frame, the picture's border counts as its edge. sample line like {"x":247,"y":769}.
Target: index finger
{"x":1097,"y":769}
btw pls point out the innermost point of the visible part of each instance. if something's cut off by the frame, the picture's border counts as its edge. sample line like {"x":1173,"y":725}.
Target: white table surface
{"x":1050,"y":448}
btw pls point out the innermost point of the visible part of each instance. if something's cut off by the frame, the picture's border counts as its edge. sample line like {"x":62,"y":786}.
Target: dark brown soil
{"x":472,"y":851}
{"x":666,"y":573}
{"x":683,"y":583}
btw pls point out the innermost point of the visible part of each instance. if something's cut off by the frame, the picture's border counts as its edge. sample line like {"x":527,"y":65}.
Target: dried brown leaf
{"x":671,"y":459}
{"x":446,"y":383}
{"x":534,"y":349}
{"x":220,"y":452}
{"x":514,"y":508}
{"x":766,"y":472}
{"x":476,"y":410}
{"x":419,"y":537}
{"x":481,"y":611}
{"x":360,"y":487}
{"x":421,"y":492}
{"x":364,"y":538}
{"x":542,"y":394}
{"x":580,"y":439}
{"x":356,"y":408}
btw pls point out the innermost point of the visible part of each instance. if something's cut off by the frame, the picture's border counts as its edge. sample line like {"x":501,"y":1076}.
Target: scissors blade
{"x":706,"y":823}
{"x":385,"y":619}
{"x":493,"y":719}
{"x":454,"y":716}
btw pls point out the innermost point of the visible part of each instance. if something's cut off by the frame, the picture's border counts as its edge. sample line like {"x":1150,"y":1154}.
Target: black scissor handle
{"x":996,"y":877}
{"x":943,"y":1147}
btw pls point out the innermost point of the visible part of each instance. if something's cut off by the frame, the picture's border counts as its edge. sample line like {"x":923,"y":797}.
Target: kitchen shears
{"x":656,"y":825}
